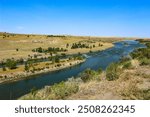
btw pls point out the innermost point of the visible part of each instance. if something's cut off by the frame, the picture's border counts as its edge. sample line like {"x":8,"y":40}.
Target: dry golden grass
{"x":25,"y":43}
{"x":133,"y":83}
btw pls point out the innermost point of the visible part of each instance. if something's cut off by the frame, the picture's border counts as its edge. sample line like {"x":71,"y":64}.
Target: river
{"x":14,"y":90}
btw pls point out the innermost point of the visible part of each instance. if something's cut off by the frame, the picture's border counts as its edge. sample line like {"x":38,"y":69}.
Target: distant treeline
{"x":56,"y":36}
{"x":5,"y":34}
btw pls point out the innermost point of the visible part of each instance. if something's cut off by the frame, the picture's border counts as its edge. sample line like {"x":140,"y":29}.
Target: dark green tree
{"x":11,"y":64}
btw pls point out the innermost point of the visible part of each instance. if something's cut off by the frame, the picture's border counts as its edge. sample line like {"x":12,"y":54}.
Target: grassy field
{"x":25,"y":43}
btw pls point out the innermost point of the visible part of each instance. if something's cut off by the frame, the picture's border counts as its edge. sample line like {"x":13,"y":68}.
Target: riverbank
{"x":127,"y":79}
{"x":133,"y":83}
{"x":15,"y":53}
{"x":21,"y":74}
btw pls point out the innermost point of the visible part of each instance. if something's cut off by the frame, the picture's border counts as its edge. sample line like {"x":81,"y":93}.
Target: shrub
{"x":67,"y":45}
{"x":47,"y":89}
{"x":112,"y":72}
{"x":100,"y":70}
{"x":127,"y":65}
{"x":148,"y":44}
{"x":90,"y":51}
{"x":4,"y":68}
{"x":144,"y":61}
{"x":125,"y":59}
{"x":63,"y":54}
{"x":88,"y":75}
{"x":141,"y":53}
{"x":58,"y":65}
{"x":78,"y":57}
{"x":33,"y":91}
{"x":26,"y":67}
{"x":64,"y":89}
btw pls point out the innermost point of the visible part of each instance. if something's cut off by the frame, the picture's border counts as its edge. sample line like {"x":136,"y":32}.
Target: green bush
{"x":26,"y":67}
{"x":125,"y":59}
{"x":33,"y":91}
{"x":64,"y":89}
{"x":141,"y":53}
{"x":148,"y":44}
{"x":11,"y":64}
{"x":112,"y":72}
{"x":4,"y":68}
{"x":88,"y":75}
{"x":100,"y":70}
{"x":127,"y":65}
{"x":144,"y":61}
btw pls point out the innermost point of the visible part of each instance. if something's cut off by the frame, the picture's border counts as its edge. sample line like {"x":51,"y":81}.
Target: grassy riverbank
{"x":127,"y":79}
{"x":40,"y":68}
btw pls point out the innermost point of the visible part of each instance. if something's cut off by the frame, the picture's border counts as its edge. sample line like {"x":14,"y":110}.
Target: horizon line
{"x":75,"y":35}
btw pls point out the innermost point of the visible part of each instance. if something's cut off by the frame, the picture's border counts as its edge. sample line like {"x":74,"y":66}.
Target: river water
{"x":14,"y":90}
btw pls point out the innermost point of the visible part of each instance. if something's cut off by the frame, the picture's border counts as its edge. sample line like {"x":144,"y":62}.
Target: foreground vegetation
{"x":127,"y":79}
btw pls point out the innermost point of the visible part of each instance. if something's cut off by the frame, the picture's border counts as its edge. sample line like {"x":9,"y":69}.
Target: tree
{"x":53,"y":60}
{"x":27,"y":67}
{"x":57,"y":59}
{"x":51,"y":53}
{"x":40,"y":50}
{"x":67,"y":45}
{"x":4,"y":68}
{"x":11,"y":64}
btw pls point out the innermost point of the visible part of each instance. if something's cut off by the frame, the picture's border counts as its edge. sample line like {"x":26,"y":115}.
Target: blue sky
{"x":76,"y":17}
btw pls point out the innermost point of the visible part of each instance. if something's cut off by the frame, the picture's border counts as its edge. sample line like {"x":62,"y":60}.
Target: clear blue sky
{"x":76,"y":17}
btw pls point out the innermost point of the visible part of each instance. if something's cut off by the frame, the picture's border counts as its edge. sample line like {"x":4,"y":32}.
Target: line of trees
{"x":56,"y":36}
{"x":10,"y":63}
{"x":49,"y":49}
{"x":79,"y":45}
